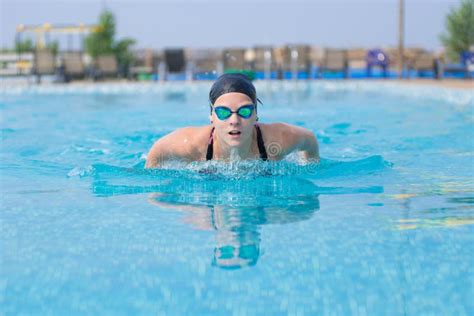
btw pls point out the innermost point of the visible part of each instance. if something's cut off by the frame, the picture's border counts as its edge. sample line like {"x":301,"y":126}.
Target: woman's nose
{"x":234,"y":119}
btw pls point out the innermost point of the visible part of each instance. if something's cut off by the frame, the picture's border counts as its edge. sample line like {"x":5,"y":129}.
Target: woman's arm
{"x":156,"y":155}
{"x":295,"y":138}
{"x":174,"y":146}
{"x":310,"y":147}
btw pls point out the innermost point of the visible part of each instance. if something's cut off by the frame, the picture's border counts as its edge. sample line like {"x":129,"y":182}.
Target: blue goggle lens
{"x":224,"y":112}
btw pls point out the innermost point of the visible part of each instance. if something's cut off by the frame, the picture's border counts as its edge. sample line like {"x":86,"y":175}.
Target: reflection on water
{"x":237,"y":218}
{"x":175,"y":96}
{"x":417,"y":223}
{"x":233,"y":207}
{"x":448,"y":216}
{"x":463,"y":200}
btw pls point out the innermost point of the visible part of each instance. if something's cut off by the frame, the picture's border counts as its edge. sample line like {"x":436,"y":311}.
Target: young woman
{"x":234,"y":132}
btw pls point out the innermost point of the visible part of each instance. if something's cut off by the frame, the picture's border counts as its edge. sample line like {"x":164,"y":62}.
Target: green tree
{"x":122,"y":51}
{"x":24,"y":46}
{"x":459,"y":35}
{"x":28,"y":46}
{"x":103,"y":42}
{"x":53,"y":47}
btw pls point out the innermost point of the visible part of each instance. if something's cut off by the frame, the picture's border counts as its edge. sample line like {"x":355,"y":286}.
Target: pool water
{"x":384,"y":225}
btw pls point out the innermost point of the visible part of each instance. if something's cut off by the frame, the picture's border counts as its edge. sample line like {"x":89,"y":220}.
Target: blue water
{"x":384,"y":225}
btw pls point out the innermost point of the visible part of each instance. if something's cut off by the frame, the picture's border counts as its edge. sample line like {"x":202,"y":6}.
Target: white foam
{"x":450,"y":95}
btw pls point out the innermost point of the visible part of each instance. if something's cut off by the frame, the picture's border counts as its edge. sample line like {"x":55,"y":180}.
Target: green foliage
{"x":53,"y":47}
{"x":459,"y":35}
{"x":24,"y":46}
{"x":28,"y":46}
{"x":103,"y":41}
{"x":122,"y":51}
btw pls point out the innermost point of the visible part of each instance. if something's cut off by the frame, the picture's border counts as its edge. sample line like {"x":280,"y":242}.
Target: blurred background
{"x":199,"y":39}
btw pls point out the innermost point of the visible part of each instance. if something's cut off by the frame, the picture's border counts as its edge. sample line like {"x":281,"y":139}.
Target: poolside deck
{"x":445,"y":83}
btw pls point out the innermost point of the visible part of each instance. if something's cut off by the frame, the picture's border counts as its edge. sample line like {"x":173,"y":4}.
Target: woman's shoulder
{"x":280,"y":128}
{"x":187,"y":139}
{"x":272,"y":131}
{"x":286,"y":135}
{"x":192,"y":132}
{"x":184,"y":143}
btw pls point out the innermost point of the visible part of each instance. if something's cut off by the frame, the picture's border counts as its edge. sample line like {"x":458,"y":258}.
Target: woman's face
{"x":234,"y":130}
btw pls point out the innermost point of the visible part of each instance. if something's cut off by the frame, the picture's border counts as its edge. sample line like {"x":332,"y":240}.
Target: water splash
{"x":199,"y":181}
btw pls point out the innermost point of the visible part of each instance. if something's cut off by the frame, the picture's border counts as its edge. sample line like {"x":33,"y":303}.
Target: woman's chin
{"x":234,"y":140}
{"x":234,"y":143}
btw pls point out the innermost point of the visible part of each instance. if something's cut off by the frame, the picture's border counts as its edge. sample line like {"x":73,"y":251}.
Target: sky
{"x":244,"y":23}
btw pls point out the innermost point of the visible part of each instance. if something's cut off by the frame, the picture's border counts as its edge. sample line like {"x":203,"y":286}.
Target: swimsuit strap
{"x":260,"y":144}
{"x":210,"y":149}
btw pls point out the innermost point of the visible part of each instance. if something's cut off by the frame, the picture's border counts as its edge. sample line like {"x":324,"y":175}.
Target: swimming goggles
{"x":223,"y":112}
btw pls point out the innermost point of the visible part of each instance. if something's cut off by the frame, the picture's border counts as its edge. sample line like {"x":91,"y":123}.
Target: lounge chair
{"x":238,"y":60}
{"x":44,"y":63}
{"x":144,"y":66}
{"x":424,"y":64}
{"x":297,"y":62}
{"x":264,"y":63}
{"x":357,"y":62}
{"x":316,"y":58}
{"x":278,"y":55}
{"x":205,"y":64}
{"x":394,"y":58}
{"x":377,"y":58}
{"x":334,"y":61}
{"x":105,"y":67}
{"x":235,"y":59}
{"x":174,"y":66}
{"x":463,"y":69}
{"x":72,"y":66}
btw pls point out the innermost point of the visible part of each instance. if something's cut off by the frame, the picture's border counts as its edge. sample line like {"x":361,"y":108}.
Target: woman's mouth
{"x":234,"y":133}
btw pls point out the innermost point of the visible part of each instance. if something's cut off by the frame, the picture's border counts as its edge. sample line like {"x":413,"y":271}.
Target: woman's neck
{"x":226,"y":152}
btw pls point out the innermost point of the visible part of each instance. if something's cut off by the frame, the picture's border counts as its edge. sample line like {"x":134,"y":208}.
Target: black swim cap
{"x":233,"y":82}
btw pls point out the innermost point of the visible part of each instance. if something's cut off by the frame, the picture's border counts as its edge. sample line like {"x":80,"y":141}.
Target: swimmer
{"x":234,"y":132}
